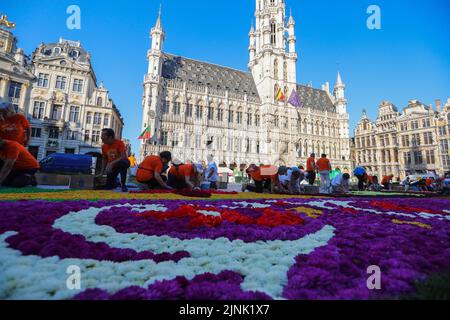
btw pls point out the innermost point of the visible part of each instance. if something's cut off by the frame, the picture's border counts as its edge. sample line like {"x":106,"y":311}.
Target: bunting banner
{"x":146,"y":135}
{"x":294,"y":99}
{"x":280,"y":95}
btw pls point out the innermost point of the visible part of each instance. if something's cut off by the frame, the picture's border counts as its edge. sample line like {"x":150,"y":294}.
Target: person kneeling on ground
{"x":340,"y":183}
{"x":151,"y":169}
{"x":17,"y":165}
{"x":290,"y":182}
{"x":375,"y":186}
{"x":115,"y":160}
{"x":182,"y":176}
{"x":387,"y":182}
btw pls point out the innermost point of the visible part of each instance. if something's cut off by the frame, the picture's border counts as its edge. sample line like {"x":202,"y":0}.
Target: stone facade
{"x":411,"y":142}
{"x":67,"y":109}
{"x":15,"y":72}
{"x":194,"y":108}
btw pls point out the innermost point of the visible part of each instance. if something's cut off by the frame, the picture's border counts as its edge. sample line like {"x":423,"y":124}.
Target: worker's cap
{"x":295,"y":169}
{"x":176,"y":161}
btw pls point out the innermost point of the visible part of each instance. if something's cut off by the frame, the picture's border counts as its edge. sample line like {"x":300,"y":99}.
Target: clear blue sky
{"x":409,"y":58}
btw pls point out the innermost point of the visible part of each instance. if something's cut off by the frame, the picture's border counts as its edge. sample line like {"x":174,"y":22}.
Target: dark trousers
{"x":153,"y":183}
{"x":175,"y":183}
{"x":311,"y":177}
{"x":19,"y":178}
{"x":360,"y":182}
{"x":213,"y":185}
{"x":259,"y":186}
{"x":121,"y":167}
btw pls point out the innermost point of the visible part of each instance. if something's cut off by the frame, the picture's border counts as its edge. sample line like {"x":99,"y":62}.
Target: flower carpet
{"x":229,"y":246}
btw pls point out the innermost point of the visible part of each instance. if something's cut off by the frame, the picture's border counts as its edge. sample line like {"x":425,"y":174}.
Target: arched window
{"x":199,"y":110}
{"x":285,"y":71}
{"x":220,"y":113}
{"x":177,"y":106}
{"x":211,"y":109}
{"x":273,"y":32}
{"x":275,"y":70}
{"x":322,"y":125}
{"x":305,"y":126}
{"x":299,"y":148}
{"x":99,"y":101}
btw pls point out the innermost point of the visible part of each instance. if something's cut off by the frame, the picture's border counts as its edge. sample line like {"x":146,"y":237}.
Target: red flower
{"x":399,"y":207}
{"x":273,"y":218}
{"x":349,"y":210}
{"x":236,"y":217}
{"x":208,"y":221}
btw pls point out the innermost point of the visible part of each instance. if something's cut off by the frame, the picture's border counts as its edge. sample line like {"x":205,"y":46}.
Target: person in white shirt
{"x":212,"y":173}
{"x":340,"y":183}
{"x":290,"y":182}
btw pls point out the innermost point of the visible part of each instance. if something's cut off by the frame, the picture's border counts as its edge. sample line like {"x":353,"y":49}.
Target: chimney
{"x":438,"y":105}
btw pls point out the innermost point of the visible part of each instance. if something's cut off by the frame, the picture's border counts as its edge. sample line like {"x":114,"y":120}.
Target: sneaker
{"x":124,"y":188}
{"x":244,"y":187}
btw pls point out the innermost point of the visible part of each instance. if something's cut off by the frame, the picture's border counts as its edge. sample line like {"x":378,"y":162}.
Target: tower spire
{"x":158,"y":24}
{"x":339,"y":79}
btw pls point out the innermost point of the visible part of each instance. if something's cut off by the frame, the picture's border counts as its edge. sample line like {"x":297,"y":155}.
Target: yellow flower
{"x":111,"y":195}
{"x":310,"y":212}
{"x":414,"y":223}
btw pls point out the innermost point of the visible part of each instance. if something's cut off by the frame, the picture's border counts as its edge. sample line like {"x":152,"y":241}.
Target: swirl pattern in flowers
{"x":300,"y":248}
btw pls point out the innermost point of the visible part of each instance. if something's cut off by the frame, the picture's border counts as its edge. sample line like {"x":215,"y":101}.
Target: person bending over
{"x":151,"y":169}
{"x":290,"y":182}
{"x":261,"y":181}
{"x":340,"y":183}
{"x":185,"y":176}
{"x":115,"y":160}
{"x":17,"y":165}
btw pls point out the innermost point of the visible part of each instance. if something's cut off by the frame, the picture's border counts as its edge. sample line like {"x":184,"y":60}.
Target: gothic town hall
{"x":193,"y":108}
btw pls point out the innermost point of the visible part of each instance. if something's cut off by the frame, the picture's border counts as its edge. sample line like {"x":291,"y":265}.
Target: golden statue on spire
{"x":4,"y":22}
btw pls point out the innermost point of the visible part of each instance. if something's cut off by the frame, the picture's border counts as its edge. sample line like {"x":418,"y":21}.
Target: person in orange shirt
{"x":182,"y":176}
{"x":387,"y":181}
{"x":14,"y":126}
{"x":429,"y":183}
{"x":149,"y":171}
{"x":17,"y":165}
{"x":115,"y":160}
{"x":261,"y":182}
{"x":311,"y":168}
{"x":324,"y":167}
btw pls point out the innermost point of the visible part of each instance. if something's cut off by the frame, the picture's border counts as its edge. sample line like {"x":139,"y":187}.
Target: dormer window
{"x":74,"y":54}
{"x":57,"y":50}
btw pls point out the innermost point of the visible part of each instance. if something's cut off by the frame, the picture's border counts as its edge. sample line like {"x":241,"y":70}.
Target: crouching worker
{"x":290,"y":182}
{"x":185,"y":176}
{"x":151,"y":169}
{"x":17,"y":165}
{"x":115,"y":160}
{"x":261,"y":181}
{"x":340,"y":183}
